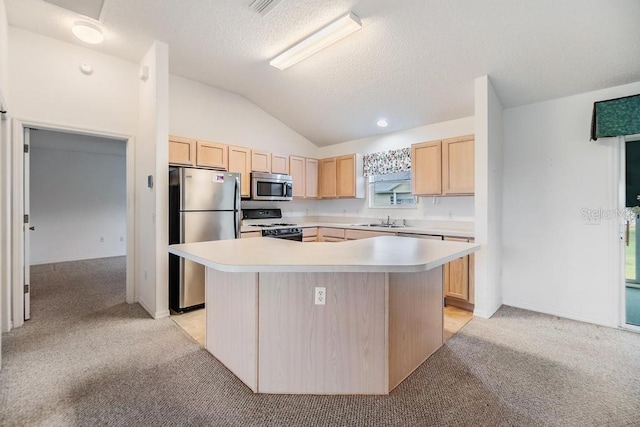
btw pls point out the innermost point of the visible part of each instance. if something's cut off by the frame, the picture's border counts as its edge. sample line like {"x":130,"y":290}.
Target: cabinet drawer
{"x":332,"y":232}
{"x":364,"y":234}
{"x":251,"y":234}
{"x":420,"y":236}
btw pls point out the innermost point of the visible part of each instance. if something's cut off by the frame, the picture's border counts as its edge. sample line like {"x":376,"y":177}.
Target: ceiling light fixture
{"x":382,"y":123}
{"x":88,"y":33}
{"x":337,"y":30}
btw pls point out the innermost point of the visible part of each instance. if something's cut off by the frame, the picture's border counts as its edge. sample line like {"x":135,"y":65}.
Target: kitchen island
{"x":380,"y":313}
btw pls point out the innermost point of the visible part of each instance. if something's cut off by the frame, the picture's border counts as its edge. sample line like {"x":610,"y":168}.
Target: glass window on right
{"x":391,"y":191}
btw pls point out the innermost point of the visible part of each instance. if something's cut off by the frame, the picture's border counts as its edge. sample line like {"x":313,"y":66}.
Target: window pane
{"x":393,"y":190}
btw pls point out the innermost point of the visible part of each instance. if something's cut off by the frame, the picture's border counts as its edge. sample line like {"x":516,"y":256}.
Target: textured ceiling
{"x":413,"y":62}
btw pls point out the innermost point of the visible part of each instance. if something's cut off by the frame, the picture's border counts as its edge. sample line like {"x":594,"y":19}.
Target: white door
{"x":27,"y":228}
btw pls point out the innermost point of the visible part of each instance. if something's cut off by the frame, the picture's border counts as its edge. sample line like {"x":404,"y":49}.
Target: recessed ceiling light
{"x":88,"y":33}
{"x":382,"y":123}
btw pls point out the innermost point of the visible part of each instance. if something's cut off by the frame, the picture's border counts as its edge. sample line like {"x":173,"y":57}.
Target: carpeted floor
{"x":86,"y":358}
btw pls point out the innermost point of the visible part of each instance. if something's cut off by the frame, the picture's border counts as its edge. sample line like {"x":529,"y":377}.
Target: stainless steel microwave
{"x":271,"y":186}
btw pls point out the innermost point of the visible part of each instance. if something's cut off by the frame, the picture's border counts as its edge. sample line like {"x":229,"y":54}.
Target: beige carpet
{"x":87,"y":358}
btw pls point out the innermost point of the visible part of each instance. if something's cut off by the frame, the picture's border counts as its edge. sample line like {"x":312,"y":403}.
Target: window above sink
{"x":391,"y":191}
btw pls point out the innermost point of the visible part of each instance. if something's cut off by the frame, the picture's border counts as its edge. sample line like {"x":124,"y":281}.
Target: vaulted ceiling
{"x":413,"y":62}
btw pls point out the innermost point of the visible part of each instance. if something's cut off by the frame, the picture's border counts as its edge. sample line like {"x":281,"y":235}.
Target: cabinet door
{"x":311,"y":178}
{"x":297,"y":171}
{"x":182,"y":151}
{"x":211,"y":154}
{"x":260,"y":161}
{"x":330,"y":235}
{"x":458,"y":175}
{"x":346,"y":176}
{"x":456,"y":276}
{"x":240,"y":161}
{"x":426,"y":165}
{"x":279,"y":164}
{"x":328,"y":187}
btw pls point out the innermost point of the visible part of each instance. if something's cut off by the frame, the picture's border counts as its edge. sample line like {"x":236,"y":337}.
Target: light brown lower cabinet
{"x":456,"y":276}
{"x":330,"y":234}
{"x":310,"y":234}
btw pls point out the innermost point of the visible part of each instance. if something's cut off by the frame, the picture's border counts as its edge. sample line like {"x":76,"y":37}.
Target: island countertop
{"x":378,"y":254}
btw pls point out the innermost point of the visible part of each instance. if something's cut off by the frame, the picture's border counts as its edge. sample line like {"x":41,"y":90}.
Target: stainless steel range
{"x":280,"y":230}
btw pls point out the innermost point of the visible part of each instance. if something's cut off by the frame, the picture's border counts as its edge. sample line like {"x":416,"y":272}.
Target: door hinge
{"x":26,"y":148}
{"x":26,"y":289}
{"x":26,"y":219}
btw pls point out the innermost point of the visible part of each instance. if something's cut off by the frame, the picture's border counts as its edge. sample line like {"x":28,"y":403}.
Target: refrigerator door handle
{"x":236,"y":207}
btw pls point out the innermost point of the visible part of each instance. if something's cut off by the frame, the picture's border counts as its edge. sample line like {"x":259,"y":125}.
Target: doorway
{"x":632,"y":233}
{"x":20,"y":225}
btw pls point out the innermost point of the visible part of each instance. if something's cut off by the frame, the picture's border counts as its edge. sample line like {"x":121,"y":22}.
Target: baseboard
{"x":57,"y":260}
{"x":155,"y":314}
{"x":561,"y":313}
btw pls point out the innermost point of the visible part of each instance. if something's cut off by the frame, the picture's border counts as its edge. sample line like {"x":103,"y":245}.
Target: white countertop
{"x":378,"y":254}
{"x":434,"y":231}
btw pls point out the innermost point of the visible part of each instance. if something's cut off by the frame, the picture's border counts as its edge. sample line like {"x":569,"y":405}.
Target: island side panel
{"x":415,"y":321}
{"x":231,"y":307}
{"x":337,"y":348}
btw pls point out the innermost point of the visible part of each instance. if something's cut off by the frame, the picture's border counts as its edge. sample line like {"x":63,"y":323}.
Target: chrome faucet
{"x":388,"y":221}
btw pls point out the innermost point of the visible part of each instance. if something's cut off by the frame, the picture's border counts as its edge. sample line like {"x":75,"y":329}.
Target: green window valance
{"x":616,"y":117}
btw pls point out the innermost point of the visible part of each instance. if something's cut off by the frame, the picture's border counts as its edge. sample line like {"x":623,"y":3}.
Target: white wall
{"x":489,"y":146}
{"x":78,"y":196}
{"x":554,"y":262}
{"x":204,"y":112}
{"x":47,"y":85}
{"x":5,"y":154}
{"x":444,"y":208}
{"x":152,"y":157}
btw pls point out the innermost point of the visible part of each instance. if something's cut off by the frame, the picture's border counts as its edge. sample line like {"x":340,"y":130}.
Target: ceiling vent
{"x":88,"y":8}
{"x":262,"y":7}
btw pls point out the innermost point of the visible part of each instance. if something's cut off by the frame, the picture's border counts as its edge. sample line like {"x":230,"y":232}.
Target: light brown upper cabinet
{"x":182,"y":151}
{"x":304,"y":173}
{"x":458,"y":156}
{"x":297,"y":171}
{"x":279,"y":164}
{"x":311,"y":178}
{"x":328,"y":176}
{"x":426,"y":168}
{"x":445,"y":167}
{"x":260,"y":161}
{"x":240,"y":161}
{"x":339,"y":177}
{"x":211,"y":154}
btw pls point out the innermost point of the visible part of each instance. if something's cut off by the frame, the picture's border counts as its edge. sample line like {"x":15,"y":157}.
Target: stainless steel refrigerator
{"x":203,"y":205}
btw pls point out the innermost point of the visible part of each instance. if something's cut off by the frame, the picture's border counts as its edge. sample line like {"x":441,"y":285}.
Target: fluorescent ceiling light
{"x":88,"y":33}
{"x":338,"y":29}
{"x":382,"y":123}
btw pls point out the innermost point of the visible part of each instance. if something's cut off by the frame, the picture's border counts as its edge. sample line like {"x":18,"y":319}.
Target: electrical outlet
{"x":320,"y":295}
{"x":101,"y":239}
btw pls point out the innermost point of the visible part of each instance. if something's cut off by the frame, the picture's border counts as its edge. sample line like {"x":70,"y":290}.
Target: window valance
{"x":616,"y":117}
{"x":386,"y":162}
